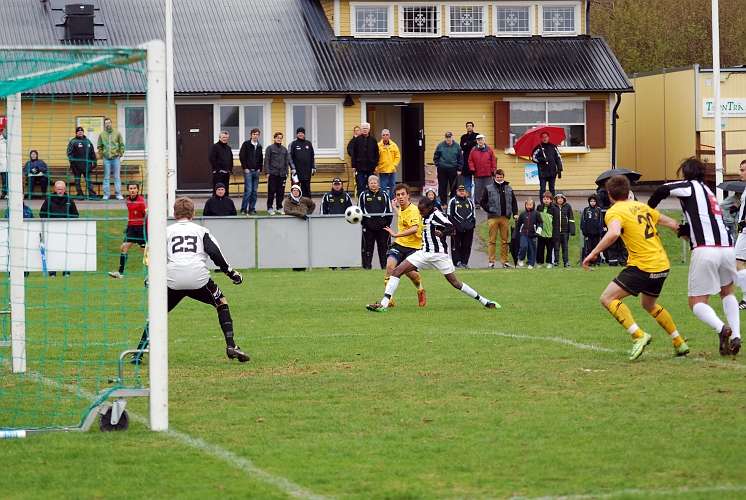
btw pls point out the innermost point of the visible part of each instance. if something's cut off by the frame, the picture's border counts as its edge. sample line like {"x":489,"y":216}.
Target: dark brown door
{"x":413,"y":144}
{"x":194,"y":137}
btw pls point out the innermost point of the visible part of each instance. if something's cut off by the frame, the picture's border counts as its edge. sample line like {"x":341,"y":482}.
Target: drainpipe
{"x":588,"y":17}
{"x":613,"y":129}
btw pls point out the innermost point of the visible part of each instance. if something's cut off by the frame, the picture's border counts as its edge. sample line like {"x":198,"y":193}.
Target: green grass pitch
{"x":453,"y":401}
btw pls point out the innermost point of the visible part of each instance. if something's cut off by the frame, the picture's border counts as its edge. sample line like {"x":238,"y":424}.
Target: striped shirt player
{"x":188,"y":275}
{"x":432,"y":255}
{"x":713,"y":263}
{"x":741,"y":241}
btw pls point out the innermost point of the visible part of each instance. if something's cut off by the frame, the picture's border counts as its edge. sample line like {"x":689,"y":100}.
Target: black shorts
{"x":634,"y":281}
{"x":135,"y":234}
{"x":399,"y":252}
{"x":208,"y":294}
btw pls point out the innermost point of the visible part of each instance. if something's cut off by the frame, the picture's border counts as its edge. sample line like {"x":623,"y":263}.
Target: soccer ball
{"x":354,"y":215}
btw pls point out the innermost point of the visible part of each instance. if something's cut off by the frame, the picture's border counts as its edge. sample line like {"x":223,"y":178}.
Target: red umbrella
{"x":528,"y":141}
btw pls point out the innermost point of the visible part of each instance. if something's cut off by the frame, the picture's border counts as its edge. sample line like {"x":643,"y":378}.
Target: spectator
{"x":219,"y":205}
{"x":355,"y":132}
{"x":298,"y":205}
{"x":592,"y":227}
{"x":449,"y":161}
{"x":388,"y":160}
{"x":111,"y":150}
{"x":616,"y":253}
{"x":528,"y":227}
{"x":500,"y":204}
{"x":251,"y":163}
{"x":82,"y":157}
{"x":461,"y":215}
{"x":547,"y":157}
{"x":3,"y":158}
{"x":135,"y":231}
{"x":221,"y":161}
{"x":375,"y":201}
{"x":59,"y":206}
{"x":364,"y":157}
{"x":468,"y":141}
{"x":276,"y":163}
{"x":430,"y":194}
{"x":730,"y":207}
{"x":565,"y":223}
{"x":483,"y":164}
{"x":36,"y":173}
{"x":336,"y":201}
{"x":302,"y":160}
{"x":549,"y":219}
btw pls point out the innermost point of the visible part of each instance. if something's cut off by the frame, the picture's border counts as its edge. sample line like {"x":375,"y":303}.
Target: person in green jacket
{"x":111,"y":150}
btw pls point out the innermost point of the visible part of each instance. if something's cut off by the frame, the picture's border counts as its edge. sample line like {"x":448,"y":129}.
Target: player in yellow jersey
{"x":647,"y":264}
{"x":408,"y":238}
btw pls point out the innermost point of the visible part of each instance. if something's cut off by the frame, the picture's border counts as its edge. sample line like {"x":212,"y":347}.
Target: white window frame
{"x":353,"y":19}
{"x":576,"y":5}
{"x":266,"y":114}
{"x":473,"y":34}
{"x":339,"y":151}
{"x":531,"y":19}
{"x":562,"y":149}
{"x":121,"y":126}
{"x":438,"y":22}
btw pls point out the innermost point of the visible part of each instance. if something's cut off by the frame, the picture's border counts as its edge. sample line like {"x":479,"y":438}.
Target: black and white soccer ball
{"x":354,"y":215}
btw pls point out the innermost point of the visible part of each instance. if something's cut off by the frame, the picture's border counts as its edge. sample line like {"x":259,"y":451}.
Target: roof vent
{"x":79,"y":22}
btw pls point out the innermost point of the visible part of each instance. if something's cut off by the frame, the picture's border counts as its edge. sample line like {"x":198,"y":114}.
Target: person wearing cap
{"x":82,"y":157}
{"x":220,"y":204}
{"x":364,"y":157}
{"x":461,"y":215}
{"x":388,"y":160}
{"x":336,"y":201}
{"x":468,"y":141}
{"x":565,"y":219}
{"x":483,"y":163}
{"x":3,"y":158}
{"x":221,"y":161}
{"x":251,"y":162}
{"x":111,"y":150}
{"x":549,"y":161}
{"x":302,"y":160}
{"x":449,"y":161}
{"x":36,"y":173}
{"x":298,"y":205}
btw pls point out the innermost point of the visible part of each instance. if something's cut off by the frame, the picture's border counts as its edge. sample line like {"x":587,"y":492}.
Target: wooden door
{"x":413,"y":144}
{"x":194,"y":137}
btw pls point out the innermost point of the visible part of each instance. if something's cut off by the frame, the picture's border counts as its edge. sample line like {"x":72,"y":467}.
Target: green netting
{"x":77,"y":325}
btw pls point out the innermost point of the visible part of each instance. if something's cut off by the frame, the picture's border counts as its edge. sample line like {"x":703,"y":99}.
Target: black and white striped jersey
{"x":702,"y":211}
{"x":436,"y":221}
{"x":741,"y":208}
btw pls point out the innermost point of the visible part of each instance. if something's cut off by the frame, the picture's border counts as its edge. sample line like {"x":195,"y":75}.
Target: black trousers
{"x":461,"y":246}
{"x":447,"y":183}
{"x":89,"y":185}
{"x":591,"y":242}
{"x":275,"y":190}
{"x":373,"y":237}
{"x":561,"y":241}
{"x":305,"y":186}
{"x":41,"y":180}
{"x":545,"y":245}
{"x":223,"y":178}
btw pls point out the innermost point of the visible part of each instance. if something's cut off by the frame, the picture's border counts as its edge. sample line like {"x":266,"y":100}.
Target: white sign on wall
{"x":728,"y":107}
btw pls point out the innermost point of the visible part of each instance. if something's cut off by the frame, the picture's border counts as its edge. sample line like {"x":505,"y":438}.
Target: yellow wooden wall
{"x":732,"y":85}
{"x":328,"y":6}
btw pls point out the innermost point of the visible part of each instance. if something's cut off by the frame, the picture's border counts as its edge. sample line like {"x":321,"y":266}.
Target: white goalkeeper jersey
{"x":189,"y":246}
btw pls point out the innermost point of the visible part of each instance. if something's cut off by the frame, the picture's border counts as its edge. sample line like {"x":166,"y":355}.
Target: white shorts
{"x":428,"y":260}
{"x":741,"y":247}
{"x":711,"y":269}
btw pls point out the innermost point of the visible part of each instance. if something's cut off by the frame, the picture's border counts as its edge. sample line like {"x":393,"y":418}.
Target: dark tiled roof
{"x":286,"y":46}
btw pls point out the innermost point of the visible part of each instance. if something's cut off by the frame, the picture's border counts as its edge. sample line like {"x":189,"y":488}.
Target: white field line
{"x":638,"y":492}
{"x":226,"y":456}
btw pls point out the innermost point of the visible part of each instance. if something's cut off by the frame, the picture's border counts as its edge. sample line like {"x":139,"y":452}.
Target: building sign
{"x":728,"y":107}
{"x":93,"y":126}
{"x":531,"y":174}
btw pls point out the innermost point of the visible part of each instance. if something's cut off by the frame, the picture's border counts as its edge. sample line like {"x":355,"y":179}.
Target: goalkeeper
{"x":189,"y":246}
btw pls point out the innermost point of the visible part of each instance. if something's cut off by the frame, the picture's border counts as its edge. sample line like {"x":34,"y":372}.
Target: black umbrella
{"x":629,"y":174}
{"x":734,"y":186}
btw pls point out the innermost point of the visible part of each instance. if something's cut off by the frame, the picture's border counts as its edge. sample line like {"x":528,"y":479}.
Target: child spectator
{"x":430,"y":195}
{"x":528,"y":226}
{"x":565,"y":217}
{"x":550,"y":218}
{"x":36,"y":173}
{"x":592,"y":227}
{"x":461,"y":215}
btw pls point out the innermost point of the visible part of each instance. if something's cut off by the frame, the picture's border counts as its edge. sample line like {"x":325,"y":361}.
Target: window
{"x":134,"y":128}
{"x":371,"y":20}
{"x":419,"y":20}
{"x":323,"y":121}
{"x":569,"y":115}
{"x":560,"y":19}
{"x":239,"y":117}
{"x":229,"y":118}
{"x":514,"y":20}
{"x":466,"y":20}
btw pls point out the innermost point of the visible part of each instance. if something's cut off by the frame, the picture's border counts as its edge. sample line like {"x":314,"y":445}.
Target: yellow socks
{"x":666,"y":321}
{"x":624,"y":316}
{"x":417,"y":282}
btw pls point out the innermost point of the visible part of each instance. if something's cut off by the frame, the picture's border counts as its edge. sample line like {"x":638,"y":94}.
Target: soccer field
{"x":534,"y":400}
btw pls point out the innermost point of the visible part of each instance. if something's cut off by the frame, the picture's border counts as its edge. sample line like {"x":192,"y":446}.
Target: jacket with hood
{"x":35,"y":167}
{"x":565,"y":215}
{"x":592,"y":219}
{"x":110,"y":144}
{"x":302,"y":159}
{"x":528,"y":224}
{"x":276,"y":160}
{"x":482,"y":161}
{"x":58,"y":207}
{"x":335,"y":202}
{"x":300,"y":207}
{"x":219,"y":206}
{"x":547,"y":157}
{"x":81,"y":154}
{"x":552,"y":210}
{"x":388,"y":157}
{"x":449,"y":157}
{"x":491,"y":202}
{"x":461,"y":213}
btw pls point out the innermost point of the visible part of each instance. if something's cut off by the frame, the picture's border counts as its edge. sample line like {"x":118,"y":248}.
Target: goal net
{"x":72,"y":273}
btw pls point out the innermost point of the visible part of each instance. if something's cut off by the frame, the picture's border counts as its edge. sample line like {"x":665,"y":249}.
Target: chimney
{"x":79,"y":22}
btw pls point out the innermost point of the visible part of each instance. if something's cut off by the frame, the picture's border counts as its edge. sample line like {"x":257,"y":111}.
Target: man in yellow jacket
{"x":388,"y":160}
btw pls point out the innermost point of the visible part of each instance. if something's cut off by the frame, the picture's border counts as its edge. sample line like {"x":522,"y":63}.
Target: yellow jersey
{"x":410,"y":217}
{"x":640,"y":235}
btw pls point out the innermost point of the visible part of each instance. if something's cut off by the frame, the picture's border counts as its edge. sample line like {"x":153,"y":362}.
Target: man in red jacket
{"x":482,"y":163}
{"x":137,"y":207}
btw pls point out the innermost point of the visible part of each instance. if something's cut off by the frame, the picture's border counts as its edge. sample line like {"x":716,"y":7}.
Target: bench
{"x":320,"y":183}
{"x":128,"y":173}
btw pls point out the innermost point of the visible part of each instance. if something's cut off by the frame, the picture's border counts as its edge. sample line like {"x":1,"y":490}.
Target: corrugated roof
{"x":287,"y":46}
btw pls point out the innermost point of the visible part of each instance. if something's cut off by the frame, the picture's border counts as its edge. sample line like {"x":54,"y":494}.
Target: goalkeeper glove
{"x":235,"y":276}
